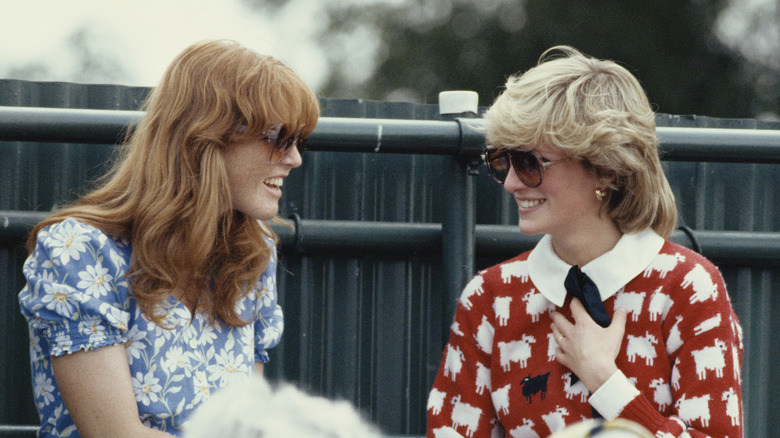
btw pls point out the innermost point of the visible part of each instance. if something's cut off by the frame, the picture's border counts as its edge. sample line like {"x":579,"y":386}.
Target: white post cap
{"x":458,"y":101}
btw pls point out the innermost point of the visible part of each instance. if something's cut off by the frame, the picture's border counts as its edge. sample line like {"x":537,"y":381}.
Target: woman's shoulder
{"x":74,"y":230}
{"x":494,"y":278}
{"x":684,"y":259}
{"x":73,"y":242}
{"x":515,"y":264}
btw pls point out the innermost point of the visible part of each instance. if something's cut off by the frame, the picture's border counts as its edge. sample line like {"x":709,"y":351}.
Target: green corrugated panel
{"x":367,"y":327}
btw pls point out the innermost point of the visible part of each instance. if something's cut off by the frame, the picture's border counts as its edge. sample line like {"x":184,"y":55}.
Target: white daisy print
{"x":95,"y":281}
{"x":268,"y":293}
{"x":118,"y":318}
{"x":227,"y":367}
{"x":93,"y":327}
{"x":67,"y":242}
{"x":147,"y":387}
{"x":135,"y":344}
{"x":201,"y":389}
{"x":176,"y":359}
{"x":43,"y":387}
{"x":57,"y":297}
{"x":61,"y":344}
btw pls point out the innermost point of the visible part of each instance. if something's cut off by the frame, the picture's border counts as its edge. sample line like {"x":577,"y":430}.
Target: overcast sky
{"x":134,"y":40}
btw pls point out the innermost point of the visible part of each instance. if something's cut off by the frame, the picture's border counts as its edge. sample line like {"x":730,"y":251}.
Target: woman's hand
{"x":586,"y":348}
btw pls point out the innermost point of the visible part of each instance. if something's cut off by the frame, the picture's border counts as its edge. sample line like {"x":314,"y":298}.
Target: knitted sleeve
{"x":460,"y":402}
{"x":703,"y":341}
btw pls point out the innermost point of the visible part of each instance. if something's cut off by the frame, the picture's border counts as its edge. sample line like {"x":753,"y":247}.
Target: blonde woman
{"x":158,"y":287}
{"x":604,"y":317}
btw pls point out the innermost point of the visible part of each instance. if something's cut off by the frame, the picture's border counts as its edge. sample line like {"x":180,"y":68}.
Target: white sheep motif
{"x":695,"y":408}
{"x":710,"y":358}
{"x":518,"y":269}
{"x":578,"y":388}
{"x":660,"y":305}
{"x":642,"y":346}
{"x":501,"y":399}
{"x":501,"y":309}
{"x":676,"y":378}
{"x":463,"y":414}
{"x":515,"y":351}
{"x":663,"y":263}
{"x":436,"y":401}
{"x":552,"y":345}
{"x":455,"y":327}
{"x":474,"y":287}
{"x":674,"y":341}
{"x":453,"y":362}
{"x":524,"y":431}
{"x":632,"y":301}
{"x":554,"y":419}
{"x":662,"y":393}
{"x":446,"y":432}
{"x":707,"y":325}
{"x":732,"y":406}
{"x":536,"y":304}
{"x":484,"y":336}
{"x":703,"y":287}
{"x":483,"y":378}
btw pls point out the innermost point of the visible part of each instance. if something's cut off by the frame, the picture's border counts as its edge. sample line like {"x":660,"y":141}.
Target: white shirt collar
{"x":610,"y":272}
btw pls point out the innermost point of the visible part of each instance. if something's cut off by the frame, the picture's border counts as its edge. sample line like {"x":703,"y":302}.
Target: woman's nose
{"x":512,"y":183}
{"x":294,"y":158}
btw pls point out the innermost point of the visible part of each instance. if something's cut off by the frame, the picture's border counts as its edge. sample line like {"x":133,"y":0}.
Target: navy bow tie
{"x":579,"y":285}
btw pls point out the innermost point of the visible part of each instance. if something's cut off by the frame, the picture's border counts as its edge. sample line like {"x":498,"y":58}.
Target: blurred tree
{"x":427,"y":46}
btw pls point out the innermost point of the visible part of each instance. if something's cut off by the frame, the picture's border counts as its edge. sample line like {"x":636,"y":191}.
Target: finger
{"x":560,"y":320}
{"x":619,"y":319}
{"x":578,"y":311}
{"x":557,"y":335}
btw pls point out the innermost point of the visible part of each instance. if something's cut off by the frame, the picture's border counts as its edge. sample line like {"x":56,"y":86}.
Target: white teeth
{"x":529,"y":204}
{"x":274,"y":182}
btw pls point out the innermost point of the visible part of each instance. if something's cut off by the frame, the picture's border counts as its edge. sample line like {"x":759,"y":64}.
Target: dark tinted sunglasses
{"x":281,"y":146}
{"x":528,"y":165}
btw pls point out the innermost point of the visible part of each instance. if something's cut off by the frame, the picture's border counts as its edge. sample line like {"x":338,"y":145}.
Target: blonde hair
{"x":168,"y":192}
{"x":594,"y":111}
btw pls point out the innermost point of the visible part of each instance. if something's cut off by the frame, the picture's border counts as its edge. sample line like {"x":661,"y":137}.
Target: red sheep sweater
{"x":679,"y":363}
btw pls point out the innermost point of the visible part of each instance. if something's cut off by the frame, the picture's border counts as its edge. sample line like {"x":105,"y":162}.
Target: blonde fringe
{"x":597,"y":112}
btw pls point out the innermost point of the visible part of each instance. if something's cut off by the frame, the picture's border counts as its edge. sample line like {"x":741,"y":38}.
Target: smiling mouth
{"x":530,"y":203}
{"x":274,"y":183}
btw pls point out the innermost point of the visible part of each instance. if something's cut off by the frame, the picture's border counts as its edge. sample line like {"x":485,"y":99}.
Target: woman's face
{"x":255,"y":183}
{"x":563,"y":205}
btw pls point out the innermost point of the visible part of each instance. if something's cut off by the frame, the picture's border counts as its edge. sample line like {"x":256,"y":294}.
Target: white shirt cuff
{"x":614,"y":395}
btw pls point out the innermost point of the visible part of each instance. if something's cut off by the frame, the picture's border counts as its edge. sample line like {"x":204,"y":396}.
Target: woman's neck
{"x":586,"y":244}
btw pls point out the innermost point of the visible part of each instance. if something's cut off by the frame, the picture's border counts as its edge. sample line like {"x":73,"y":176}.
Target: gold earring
{"x":600,"y":194}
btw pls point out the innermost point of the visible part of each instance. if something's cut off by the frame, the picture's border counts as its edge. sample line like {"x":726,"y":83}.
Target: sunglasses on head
{"x":281,"y":146}
{"x":528,"y":165}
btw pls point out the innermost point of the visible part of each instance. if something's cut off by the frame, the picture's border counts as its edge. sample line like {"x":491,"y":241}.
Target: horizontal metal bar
{"x":385,"y":135}
{"x":65,"y":125}
{"x":724,"y":145}
{"x":18,"y":430}
{"x":403,"y":239}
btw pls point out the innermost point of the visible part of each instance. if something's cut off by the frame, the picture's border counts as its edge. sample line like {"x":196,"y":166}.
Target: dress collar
{"x":610,"y":271}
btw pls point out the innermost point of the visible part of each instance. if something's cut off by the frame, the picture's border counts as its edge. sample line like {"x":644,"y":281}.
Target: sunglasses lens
{"x":498,"y":164}
{"x":528,"y":167}
{"x":280,"y":149}
{"x":526,"y":164}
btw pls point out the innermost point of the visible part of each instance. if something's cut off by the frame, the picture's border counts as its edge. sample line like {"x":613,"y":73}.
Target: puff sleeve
{"x":76,"y":295}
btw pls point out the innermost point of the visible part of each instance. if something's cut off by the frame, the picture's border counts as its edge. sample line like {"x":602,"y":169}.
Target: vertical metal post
{"x":459,"y":219}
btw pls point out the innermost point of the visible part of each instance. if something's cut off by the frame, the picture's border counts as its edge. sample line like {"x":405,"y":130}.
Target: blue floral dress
{"x":77,"y":297}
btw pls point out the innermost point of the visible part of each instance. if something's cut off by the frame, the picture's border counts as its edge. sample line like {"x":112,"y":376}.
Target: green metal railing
{"x":458,"y":239}
{"x":462,"y":136}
